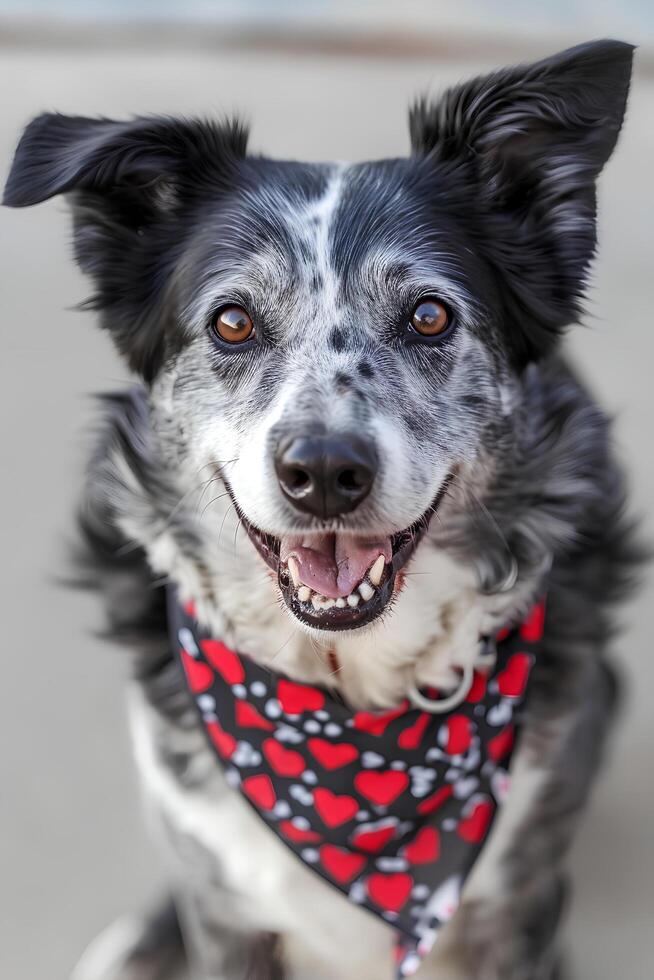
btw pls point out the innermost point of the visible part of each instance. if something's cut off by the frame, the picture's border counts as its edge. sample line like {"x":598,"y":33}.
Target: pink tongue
{"x":333,"y":564}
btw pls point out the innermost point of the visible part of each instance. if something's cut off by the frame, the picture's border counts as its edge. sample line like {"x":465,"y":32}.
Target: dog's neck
{"x":433,"y":627}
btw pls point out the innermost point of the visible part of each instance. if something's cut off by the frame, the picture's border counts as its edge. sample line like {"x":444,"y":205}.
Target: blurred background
{"x":318,"y":79}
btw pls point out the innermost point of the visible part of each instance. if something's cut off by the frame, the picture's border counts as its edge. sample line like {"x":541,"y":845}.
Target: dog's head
{"x":339,"y":343}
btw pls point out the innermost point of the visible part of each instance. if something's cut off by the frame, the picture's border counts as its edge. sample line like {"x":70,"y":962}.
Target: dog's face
{"x":342,"y":364}
{"x":338,"y":343}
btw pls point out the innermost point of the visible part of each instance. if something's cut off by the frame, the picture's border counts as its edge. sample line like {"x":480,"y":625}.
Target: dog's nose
{"x":326,"y":476}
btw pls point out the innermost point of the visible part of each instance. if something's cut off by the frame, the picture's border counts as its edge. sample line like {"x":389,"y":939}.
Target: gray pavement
{"x":73,"y":850}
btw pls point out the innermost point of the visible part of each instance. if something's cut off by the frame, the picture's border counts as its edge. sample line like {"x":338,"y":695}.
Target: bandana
{"x":391,"y":807}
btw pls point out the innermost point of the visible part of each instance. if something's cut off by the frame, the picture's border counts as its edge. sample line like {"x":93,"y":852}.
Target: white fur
{"x":106,"y":956}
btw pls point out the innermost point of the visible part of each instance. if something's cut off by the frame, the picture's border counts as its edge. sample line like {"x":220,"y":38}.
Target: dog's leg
{"x":219,"y":952}
{"x":148,"y":947}
{"x":507,"y":925}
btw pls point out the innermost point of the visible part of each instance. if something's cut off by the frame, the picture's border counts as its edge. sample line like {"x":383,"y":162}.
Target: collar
{"x":391,"y":807}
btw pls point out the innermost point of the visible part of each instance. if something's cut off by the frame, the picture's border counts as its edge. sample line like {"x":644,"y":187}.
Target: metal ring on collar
{"x":441,"y":705}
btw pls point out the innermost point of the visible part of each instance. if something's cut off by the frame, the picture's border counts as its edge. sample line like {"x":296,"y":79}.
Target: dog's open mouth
{"x":337,"y":580}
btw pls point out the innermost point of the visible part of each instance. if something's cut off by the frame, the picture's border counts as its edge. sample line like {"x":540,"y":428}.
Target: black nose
{"x":326,"y":476}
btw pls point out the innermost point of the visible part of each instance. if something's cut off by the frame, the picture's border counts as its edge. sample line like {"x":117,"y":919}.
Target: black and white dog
{"x":355,"y":448}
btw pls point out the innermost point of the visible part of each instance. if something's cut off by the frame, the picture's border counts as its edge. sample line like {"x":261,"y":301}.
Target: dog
{"x":355,"y":448}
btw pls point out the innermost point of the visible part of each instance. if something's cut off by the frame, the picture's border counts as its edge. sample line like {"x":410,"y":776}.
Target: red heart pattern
{"x":224,"y":660}
{"x":285,"y":762}
{"x":534,"y":625}
{"x":412,"y":736}
{"x":297,"y":834}
{"x":332,"y":755}
{"x":473,"y":828}
{"x":372,"y":800}
{"x":376,"y":722}
{"x":198,"y":674}
{"x":435,"y":802}
{"x":340,"y":863}
{"x":424,"y":847}
{"x":390,"y":891}
{"x":224,"y":742}
{"x":501,"y":744}
{"x":260,"y":790}
{"x":372,"y":840}
{"x":247,"y":716}
{"x":477,"y":688}
{"x":332,"y":809}
{"x":458,"y":734}
{"x":298,"y":698}
{"x":381,"y":788}
{"x":512,"y":681}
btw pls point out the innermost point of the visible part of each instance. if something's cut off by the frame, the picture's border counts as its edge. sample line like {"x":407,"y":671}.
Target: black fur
{"x":535,"y":138}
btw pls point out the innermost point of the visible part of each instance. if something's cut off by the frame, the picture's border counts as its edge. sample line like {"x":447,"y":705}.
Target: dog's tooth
{"x":377,"y":570}
{"x":304,"y":593}
{"x":322,"y":602}
{"x":366,"y":591}
{"x":294,"y":569}
{"x":341,"y":603}
{"x":353,"y":600}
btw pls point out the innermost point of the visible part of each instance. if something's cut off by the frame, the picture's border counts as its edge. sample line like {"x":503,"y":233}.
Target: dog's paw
{"x":118,"y":953}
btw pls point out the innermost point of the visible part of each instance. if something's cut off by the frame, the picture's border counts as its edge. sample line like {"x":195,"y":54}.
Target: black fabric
{"x":391,"y":807}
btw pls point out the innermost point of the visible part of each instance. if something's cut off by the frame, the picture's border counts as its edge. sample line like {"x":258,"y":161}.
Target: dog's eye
{"x":430,"y":318}
{"x":233,"y":324}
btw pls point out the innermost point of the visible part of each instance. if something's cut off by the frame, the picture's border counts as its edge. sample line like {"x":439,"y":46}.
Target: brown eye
{"x":234,"y":325}
{"x":430,"y":318}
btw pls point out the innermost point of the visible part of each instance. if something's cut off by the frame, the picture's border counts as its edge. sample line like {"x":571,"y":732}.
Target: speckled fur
{"x":495,"y":212}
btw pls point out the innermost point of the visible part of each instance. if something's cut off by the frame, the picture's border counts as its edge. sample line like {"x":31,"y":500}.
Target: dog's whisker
{"x":282,"y":647}
{"x":213,"y":501}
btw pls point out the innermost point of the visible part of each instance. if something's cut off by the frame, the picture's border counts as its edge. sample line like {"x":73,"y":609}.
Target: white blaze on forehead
{"x":313,"y":224}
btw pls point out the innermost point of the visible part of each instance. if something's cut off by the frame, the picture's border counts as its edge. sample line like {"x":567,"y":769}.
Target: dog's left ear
{"x":534,"y":139}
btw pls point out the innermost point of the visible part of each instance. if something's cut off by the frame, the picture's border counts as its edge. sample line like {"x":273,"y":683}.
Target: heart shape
{"x":332,"y":809}
{"x":285,"y":762}
{"x":381,"y":788}
{"x":456,"y":735}
{"x":375,"y":722}
{"x":247,"y":716}
{"x":198,"y":674}
{"x":374,"y":839}
{"x":425,"y":846}
{"x":474,"y":827}
{"x":390,"y":891}
{"x":477,"y":688}
{"x":434,"y":802}
{"x":412,"y":736}
{"x":331,"y":756}
{"x":512,"y":681}
{"x":501,"y":744}
{"x":224,"y":742}
{"x":297,"y":835}
{"x":260,"y":790}
{"x":296,"y":698}
{"x":342,"y":865}
{"x":532,"y":628}
{"x":224,"y":660}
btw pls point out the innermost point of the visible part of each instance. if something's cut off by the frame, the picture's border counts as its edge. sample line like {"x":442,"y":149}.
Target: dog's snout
{"x":326,"y":475}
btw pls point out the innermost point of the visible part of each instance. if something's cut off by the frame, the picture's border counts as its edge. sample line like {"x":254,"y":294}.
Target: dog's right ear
{"x":129,"y":184}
